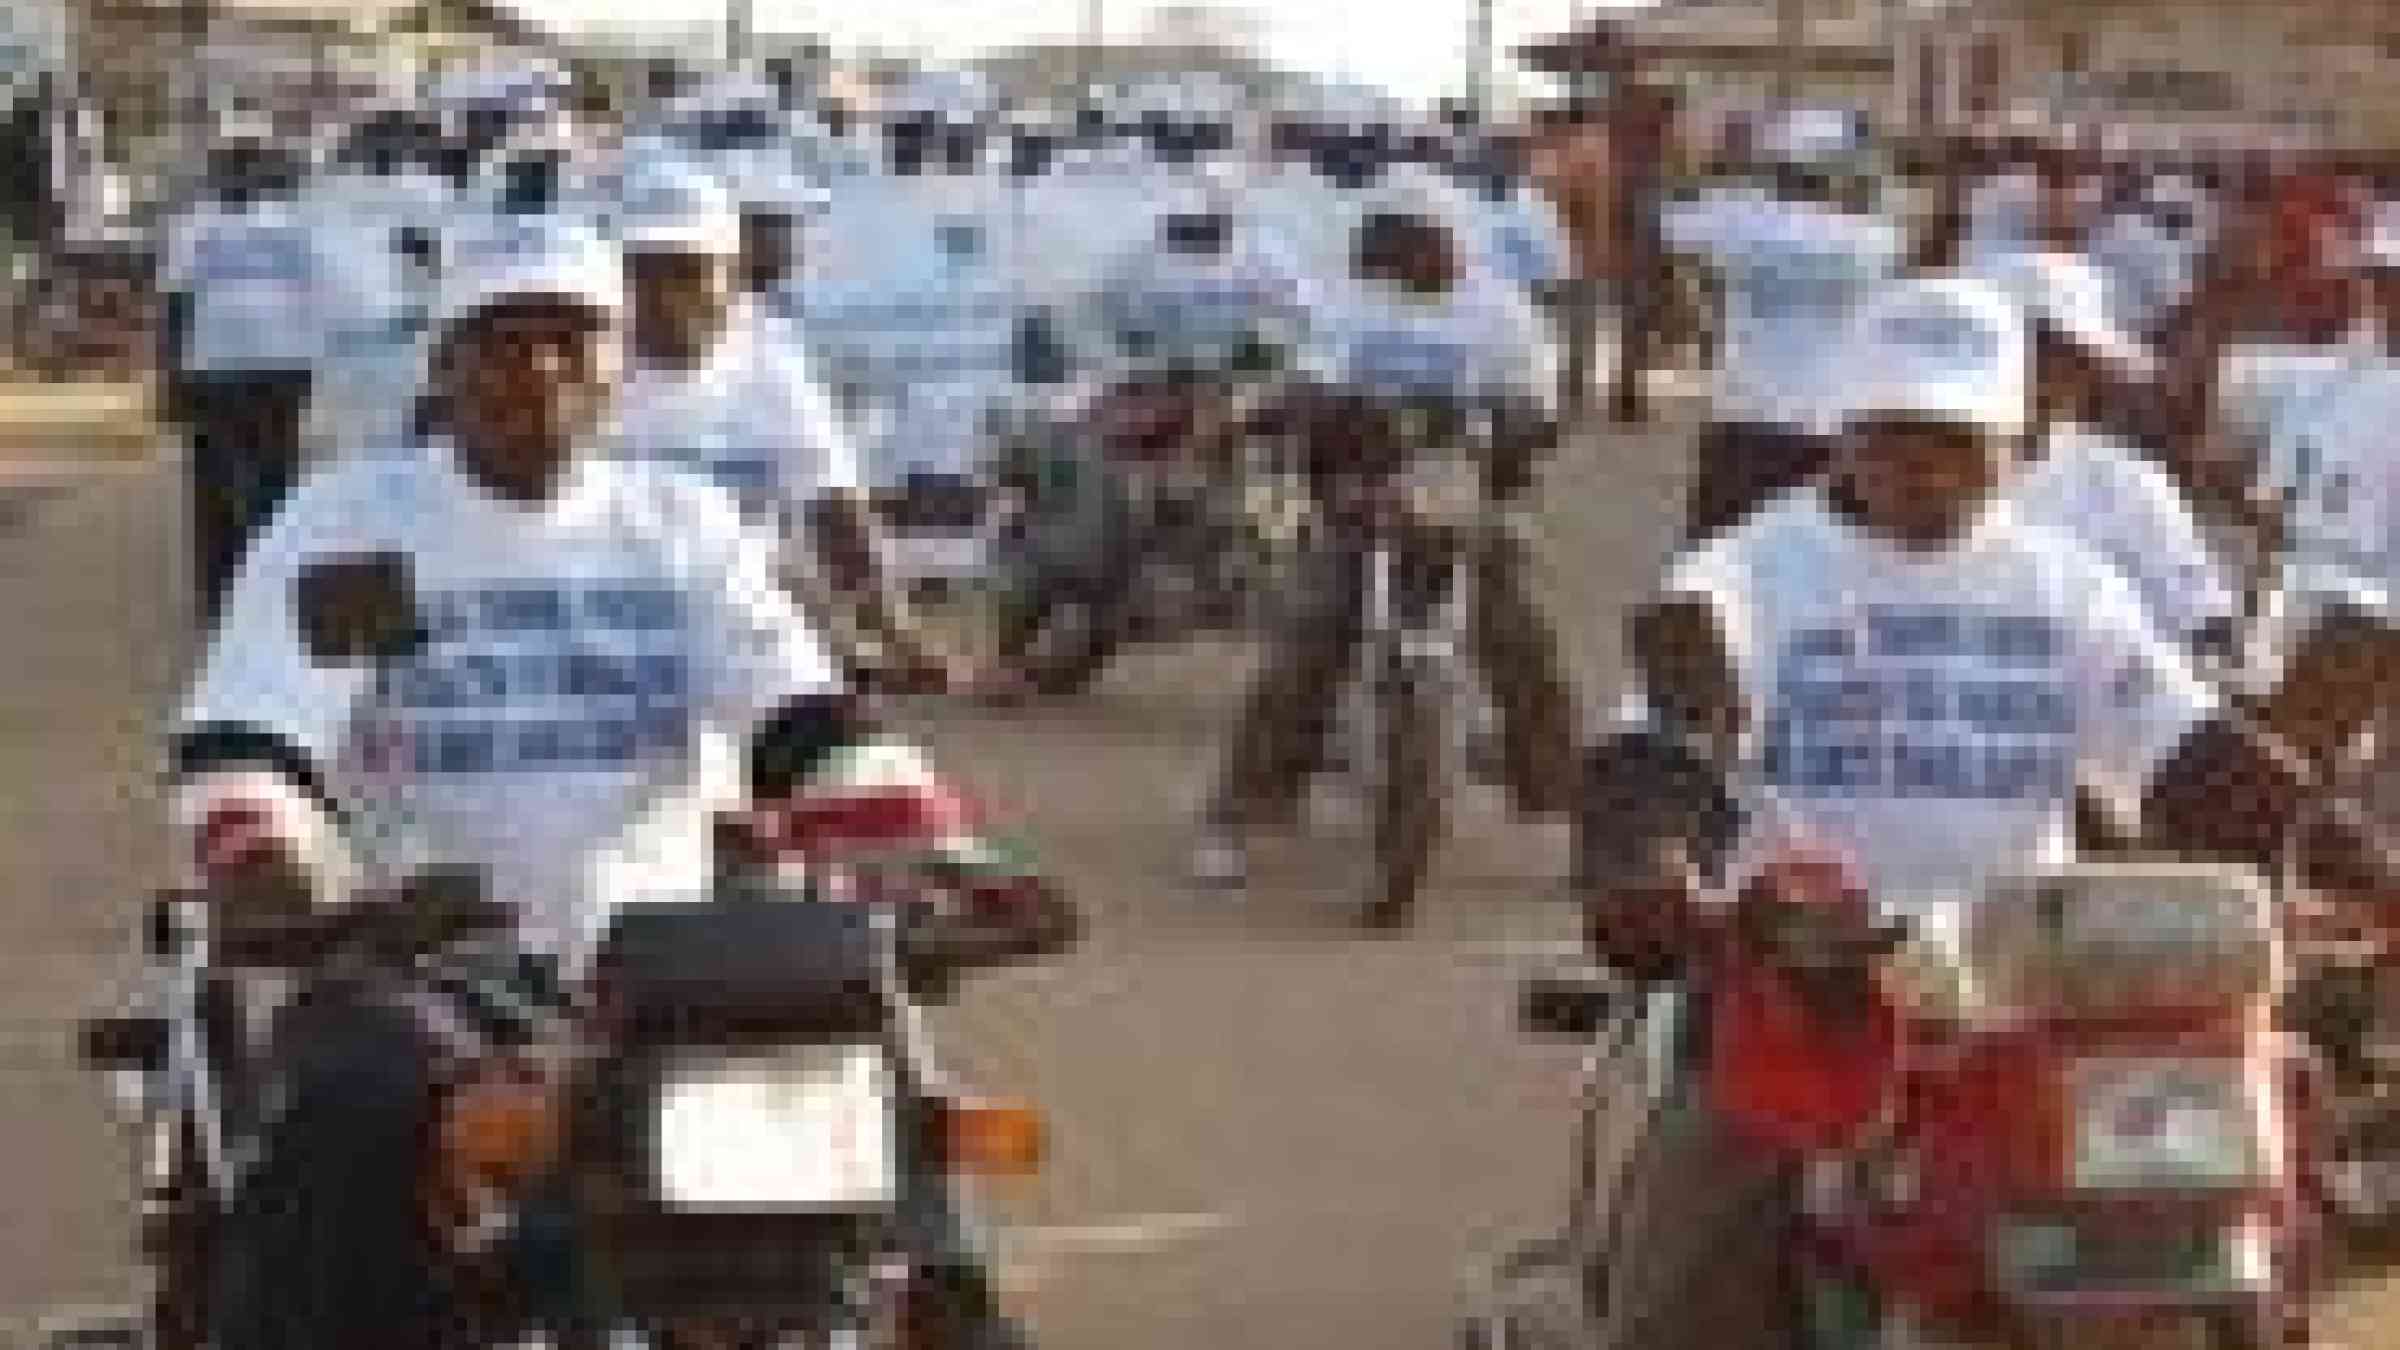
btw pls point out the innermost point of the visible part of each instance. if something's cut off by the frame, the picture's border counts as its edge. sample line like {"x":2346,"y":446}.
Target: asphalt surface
{"x":1267,"y":1130}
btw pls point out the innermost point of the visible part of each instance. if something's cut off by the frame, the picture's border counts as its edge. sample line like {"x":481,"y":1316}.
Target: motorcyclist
{"x":500,"y":651}
{"x":1893,"y":663}
{"x":914,"y":312}
{"x":2087,"y":470}
{"x":1417,"y":323}
{"x":1792,"y":267}
{"x":1181,"y":328}
{"x":381,"y":210}
{"x":245,"y":284}
{"x":716,"y":385}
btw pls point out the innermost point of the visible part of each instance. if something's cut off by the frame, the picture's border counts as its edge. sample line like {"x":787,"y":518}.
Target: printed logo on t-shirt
{"x":1938,"y":702}
{"x":252,"y":256}
{"x":591,"y":676}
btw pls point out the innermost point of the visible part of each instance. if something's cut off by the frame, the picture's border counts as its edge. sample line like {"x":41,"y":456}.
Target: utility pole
{"x":1479,"y":59}
{"x":1791,"y":35}
{"x":738,"y":24}
{"x":1088,"y":59}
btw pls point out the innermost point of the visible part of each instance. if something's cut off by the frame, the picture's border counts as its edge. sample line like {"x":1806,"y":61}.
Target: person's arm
{"x":824,"y":492}
{"x":2236,"y":786}
{"x":304,"y":623}
{"x":1657,"y":816}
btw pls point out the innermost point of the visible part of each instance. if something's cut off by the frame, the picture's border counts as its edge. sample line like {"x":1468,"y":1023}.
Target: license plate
{"x":2154,"y":1122}
{"x":808,"y":1127}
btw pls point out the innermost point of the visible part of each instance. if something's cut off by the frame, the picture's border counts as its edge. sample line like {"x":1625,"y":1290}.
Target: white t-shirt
{"x":2002,"y":212}
{"x":910,"y":302}
{"x":751,"y":419}
{"x":1201,"y":307}
{"x":372,"y":367}
{"x":596,"y":665}
{"x":2342,"y":481}
{"x":1481,"y":339}
{"x":1931,"y":715}
{"x":2274,"y":395}
{"x":1793,"y":272}
{"x":1306,"y":212}
{"x":259,"y":283}
{"x":1522,"y":238}
{"x":2150,"y":268}
{"x":2129,"y":512}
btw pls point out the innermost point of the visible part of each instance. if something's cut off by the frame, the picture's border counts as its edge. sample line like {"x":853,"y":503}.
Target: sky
{"x":1416,"y":48}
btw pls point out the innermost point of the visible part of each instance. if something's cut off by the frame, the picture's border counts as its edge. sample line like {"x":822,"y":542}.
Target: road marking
{"x":14,"y":471}
{"x":1129,"y":1233}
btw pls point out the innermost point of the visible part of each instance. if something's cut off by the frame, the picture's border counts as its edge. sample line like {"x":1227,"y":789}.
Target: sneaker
{"x":1218,"y":860}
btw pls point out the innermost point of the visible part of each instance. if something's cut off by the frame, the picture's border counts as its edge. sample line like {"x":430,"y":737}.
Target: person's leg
{"x":217,"y":482}
{"x":327,"y":1241}
{"x":1517,"y":651}
{"x":1286,"y":716}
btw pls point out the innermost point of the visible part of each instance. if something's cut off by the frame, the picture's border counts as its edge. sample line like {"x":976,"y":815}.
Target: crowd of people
{"x":2048,"y":517}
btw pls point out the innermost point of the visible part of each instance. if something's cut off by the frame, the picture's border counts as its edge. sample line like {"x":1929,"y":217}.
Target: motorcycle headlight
{"x":2142,"y":1123}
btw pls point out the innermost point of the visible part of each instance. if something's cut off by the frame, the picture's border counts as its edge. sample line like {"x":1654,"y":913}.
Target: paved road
{"x":1268,"y":1131}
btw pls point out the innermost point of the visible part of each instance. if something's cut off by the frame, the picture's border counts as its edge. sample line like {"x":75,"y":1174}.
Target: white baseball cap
{"x":668,"y":207}
{"x":526,"y":257}
{"x":2064,"y":292}
{"x":1951,"y":348}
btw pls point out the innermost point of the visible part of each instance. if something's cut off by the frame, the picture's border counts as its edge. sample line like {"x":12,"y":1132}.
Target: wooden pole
{"x":1479,"y":62}
{"x":1791,"y":24}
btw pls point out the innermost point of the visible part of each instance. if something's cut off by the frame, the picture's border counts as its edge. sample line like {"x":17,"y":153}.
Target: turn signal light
{"x":993,"y":1138}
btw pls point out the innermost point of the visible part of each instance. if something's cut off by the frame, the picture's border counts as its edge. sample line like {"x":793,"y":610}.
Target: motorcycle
{"x":2064,"y":1122}
{"x":1126,"y":531}
{"x":1412,"y":707}
{"x":737,"y":1118}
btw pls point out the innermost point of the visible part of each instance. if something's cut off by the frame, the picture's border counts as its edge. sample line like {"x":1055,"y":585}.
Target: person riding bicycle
{"x":504,"y":651}
{"x":1417,"y":333}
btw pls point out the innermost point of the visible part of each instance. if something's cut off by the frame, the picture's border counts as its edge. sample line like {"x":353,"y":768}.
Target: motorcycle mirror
{"x":1571,"y":1003}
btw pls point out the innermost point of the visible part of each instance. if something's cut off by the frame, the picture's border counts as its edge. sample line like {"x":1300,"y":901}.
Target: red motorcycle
{"x":2065,"y":1121}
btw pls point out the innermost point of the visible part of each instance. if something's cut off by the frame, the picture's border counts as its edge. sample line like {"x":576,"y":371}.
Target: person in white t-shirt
{"x":503,"y":652}
{"x":247,"y":287}
{"x":1792,"y":266}
{"x":1894,"y":666}
{"x":1419,"y":331}
{"x":914,"y":303}
{"x":2079,"y":474}
{"x":381,"y":210}
{"x":2330,"y":471}
{"x":716,"y":386}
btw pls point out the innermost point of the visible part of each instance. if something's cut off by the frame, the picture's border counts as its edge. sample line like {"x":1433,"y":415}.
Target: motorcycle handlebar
{"x":435,"y":909}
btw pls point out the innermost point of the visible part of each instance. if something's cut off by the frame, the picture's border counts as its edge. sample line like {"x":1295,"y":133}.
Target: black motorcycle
{"x":734,"y":1127}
